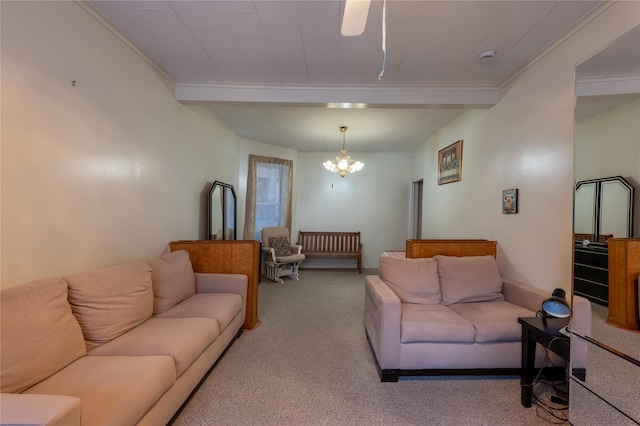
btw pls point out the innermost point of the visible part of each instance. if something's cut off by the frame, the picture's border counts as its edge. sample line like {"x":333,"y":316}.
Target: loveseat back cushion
{"x":173,"y":280}
{"x":469,"y":279}
{"x":412,"y":280}
{"x":40,"y":335}
{"x":110,"y":301}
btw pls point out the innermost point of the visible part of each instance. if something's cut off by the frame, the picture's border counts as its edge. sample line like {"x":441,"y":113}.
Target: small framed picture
{"x":510,"y":201}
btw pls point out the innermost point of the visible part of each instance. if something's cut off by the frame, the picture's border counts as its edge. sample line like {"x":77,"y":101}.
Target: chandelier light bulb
{"x":343,"y":163}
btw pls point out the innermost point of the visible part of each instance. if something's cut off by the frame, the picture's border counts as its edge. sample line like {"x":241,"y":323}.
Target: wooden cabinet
{"x":230,"y":257}
{"x":624,"y":269}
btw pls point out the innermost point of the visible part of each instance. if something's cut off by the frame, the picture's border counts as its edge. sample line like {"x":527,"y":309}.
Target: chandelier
{"x":344,"y":163}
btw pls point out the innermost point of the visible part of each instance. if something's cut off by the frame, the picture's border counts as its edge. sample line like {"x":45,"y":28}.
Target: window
{"x":268,"y":195}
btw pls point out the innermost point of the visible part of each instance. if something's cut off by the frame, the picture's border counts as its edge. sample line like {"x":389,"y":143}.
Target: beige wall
{"x":374,"y":201}
{"x":609,"y":145}
{"x":524,"y":142}
{"x":105,"y":171}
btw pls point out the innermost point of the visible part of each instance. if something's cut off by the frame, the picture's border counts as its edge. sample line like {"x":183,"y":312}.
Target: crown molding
{"x":610,"y":85}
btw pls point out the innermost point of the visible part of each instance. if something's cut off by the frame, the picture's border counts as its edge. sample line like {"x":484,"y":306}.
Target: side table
{"x":547,"y":333}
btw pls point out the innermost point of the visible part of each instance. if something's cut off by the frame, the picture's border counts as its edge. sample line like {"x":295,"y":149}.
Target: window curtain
{"x":253,"y":180}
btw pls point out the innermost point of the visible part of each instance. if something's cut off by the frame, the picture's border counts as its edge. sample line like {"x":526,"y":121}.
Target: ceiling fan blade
{"x":355,"y":17}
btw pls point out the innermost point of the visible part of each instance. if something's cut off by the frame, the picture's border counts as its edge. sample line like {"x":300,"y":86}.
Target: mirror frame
{"x":228,"y":211}
{"x":598,"y":207}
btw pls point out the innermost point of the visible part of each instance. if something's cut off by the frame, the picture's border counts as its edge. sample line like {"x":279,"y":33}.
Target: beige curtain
{"x":250,"y":210}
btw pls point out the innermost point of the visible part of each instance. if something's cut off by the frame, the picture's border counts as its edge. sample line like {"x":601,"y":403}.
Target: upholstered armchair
{"x":281,"y":258}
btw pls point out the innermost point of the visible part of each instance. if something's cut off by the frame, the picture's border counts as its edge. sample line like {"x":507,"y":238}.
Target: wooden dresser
{"x":230,"y":257}
{"x":624,"y":269}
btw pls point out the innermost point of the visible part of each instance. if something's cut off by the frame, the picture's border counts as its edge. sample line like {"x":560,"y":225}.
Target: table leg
{"x":528,"y":363}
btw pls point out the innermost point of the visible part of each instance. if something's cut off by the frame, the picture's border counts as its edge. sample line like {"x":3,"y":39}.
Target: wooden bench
{"x":331,"y":245}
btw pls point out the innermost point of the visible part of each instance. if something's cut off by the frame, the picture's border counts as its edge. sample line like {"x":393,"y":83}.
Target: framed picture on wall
{"x":510,"y":201}
{"x":450,"y":163}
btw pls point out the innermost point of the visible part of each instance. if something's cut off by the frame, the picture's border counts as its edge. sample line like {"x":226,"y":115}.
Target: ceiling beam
{"x":324,"y":95}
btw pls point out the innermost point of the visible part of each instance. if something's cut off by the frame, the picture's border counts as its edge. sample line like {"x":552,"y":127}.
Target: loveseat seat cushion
{"x":469,"y":279}
{"x":110,"y":301}
{"x":223,"y":307}
{"x":494,"y":321}
{"x":40,"y":335}
{"x":434,"y":323}
{"x":183,"y":339}
{"x":115,"y":390}
{"x":412,"y":280}
{"x":173,"y":280}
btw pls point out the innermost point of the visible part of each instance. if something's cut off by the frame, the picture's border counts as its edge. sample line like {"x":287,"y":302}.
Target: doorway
{"x":416,"y":209}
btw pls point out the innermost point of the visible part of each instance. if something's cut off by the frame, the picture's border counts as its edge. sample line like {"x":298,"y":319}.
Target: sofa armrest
{"x":524,"y":295}
{"x":41,"y":410}
{"x":223,"y":283}
{"x":383,"y":319}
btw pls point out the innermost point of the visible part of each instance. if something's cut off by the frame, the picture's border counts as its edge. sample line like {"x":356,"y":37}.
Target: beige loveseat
{"x":447,"y":315}
{"x":121,"y":345}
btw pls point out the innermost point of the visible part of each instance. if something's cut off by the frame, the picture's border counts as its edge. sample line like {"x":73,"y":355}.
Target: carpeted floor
{"x":309,"y":363}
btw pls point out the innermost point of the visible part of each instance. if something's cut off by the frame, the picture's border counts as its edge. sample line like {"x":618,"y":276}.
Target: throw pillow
{"x":469,"y":279}
{"x":412,"y":280}
{"x":281,"y":246}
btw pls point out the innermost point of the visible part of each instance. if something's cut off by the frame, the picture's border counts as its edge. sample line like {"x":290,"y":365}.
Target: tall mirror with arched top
{"x":222,"y":210}
{"x":607,"y":173}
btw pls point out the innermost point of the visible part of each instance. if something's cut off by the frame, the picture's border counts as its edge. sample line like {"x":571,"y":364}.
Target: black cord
{"x":546,"y":409}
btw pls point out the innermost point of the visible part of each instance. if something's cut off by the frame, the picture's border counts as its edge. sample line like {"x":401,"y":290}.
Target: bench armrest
{"x":41,"y":410}
{"x":383,"y":317}
{"x":524,"y":295}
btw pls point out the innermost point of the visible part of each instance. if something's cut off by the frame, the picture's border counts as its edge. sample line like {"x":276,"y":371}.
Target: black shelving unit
{"x":591,"y":272}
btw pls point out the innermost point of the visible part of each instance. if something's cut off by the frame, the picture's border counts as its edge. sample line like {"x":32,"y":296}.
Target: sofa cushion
{"x":413,"y":280}
{"x":494,"y":321}
{"x":40,"y":335}
{"x":173,"y":280}
{"x":469,"y":279}
{"x":110,"y":301}
{"x":223,"y":307}
{"x":184,"y":339}
{"x":434,"y":323}
{"x":115,"y":390}
{"x":41,"y":410}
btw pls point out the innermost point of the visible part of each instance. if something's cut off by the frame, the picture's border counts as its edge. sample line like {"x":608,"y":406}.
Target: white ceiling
{"x":271,"y":69}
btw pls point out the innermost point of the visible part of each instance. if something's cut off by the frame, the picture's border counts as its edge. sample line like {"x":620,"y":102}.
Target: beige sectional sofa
{"x":121,"y":345}
{"x":446,"y":315}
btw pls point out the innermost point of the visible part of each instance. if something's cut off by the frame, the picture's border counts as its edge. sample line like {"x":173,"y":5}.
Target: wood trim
{"x":429,"y":248}
{"x":228,"y":257}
